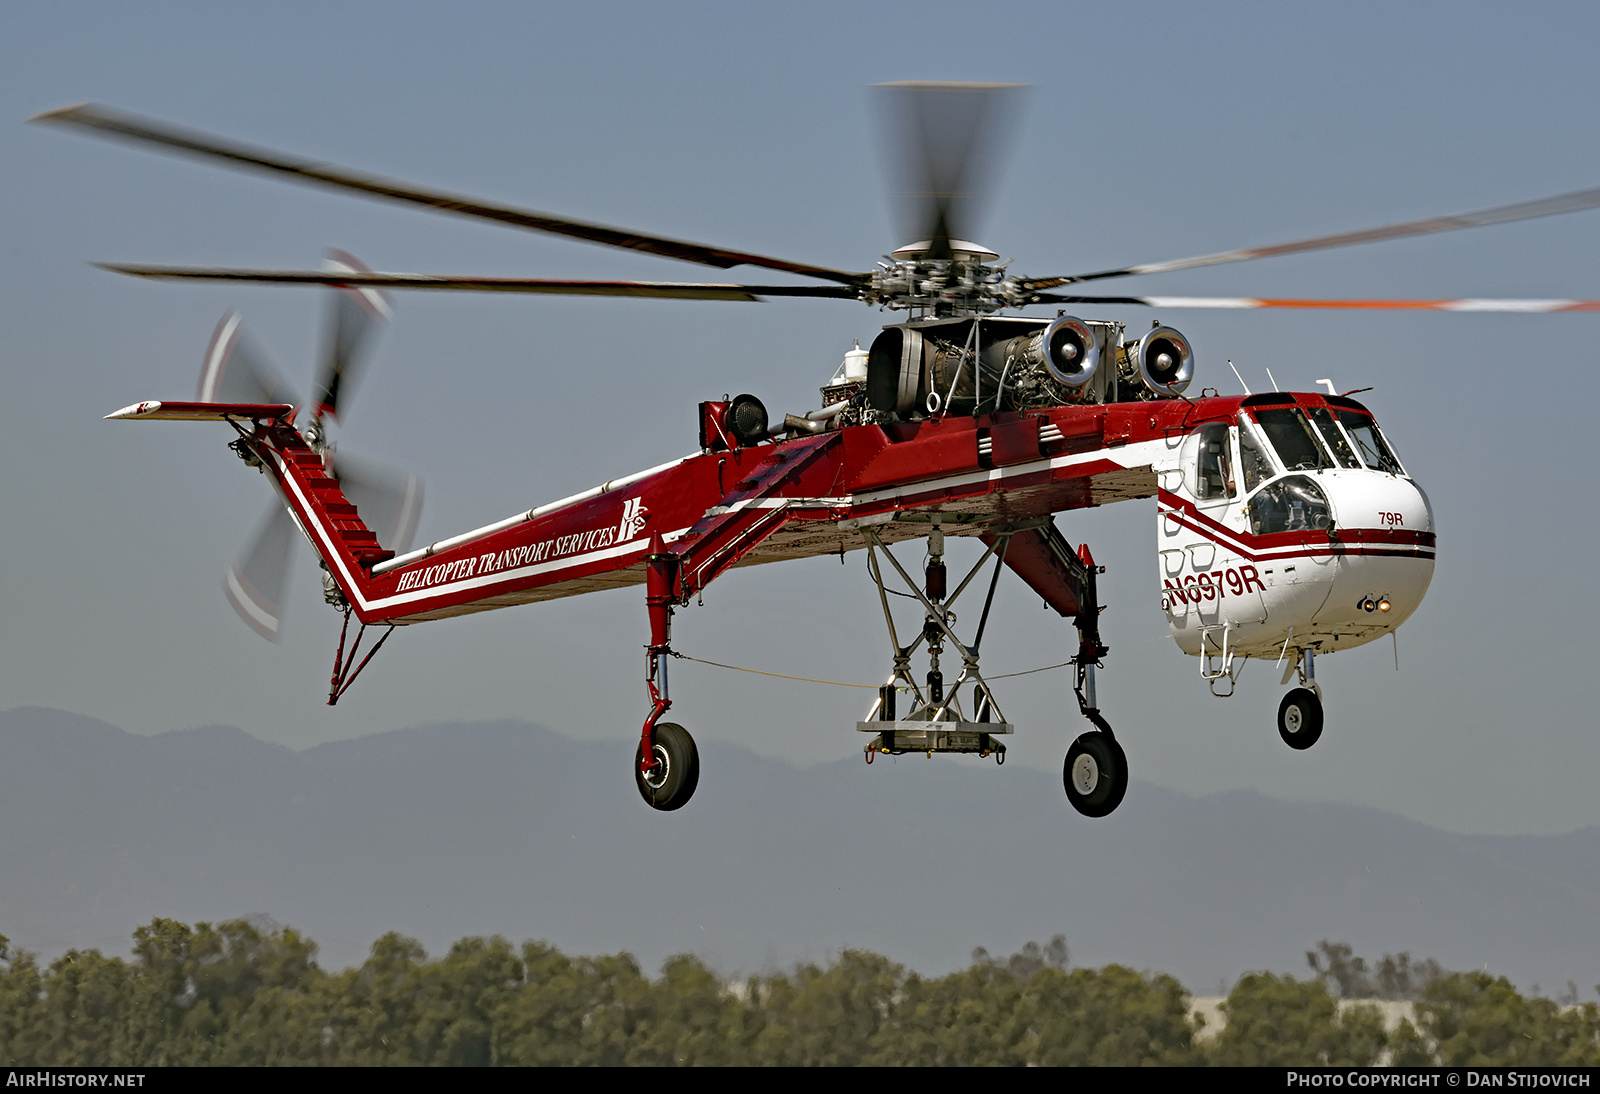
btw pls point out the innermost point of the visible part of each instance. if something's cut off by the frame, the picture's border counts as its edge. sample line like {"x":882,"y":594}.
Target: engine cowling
{"x":1164,"y":361}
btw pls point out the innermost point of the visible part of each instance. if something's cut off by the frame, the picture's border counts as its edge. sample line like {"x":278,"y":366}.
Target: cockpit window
{"x":1214,"y":467}
{"x":1322,"y":417}
{"x":1291,"y":438}
{"x":1369,"y":442}
{"x":1252,"y":460}
{"x":1292,"y":504}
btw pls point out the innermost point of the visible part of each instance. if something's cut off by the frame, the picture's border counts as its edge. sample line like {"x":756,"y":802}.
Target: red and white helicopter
{"x":1286,"y":525}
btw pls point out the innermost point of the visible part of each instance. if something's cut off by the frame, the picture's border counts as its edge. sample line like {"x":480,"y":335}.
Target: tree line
{"x":241,"y":994}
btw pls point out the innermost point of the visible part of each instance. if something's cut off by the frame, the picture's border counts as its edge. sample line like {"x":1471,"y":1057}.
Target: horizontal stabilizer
{"x":203,"y":412}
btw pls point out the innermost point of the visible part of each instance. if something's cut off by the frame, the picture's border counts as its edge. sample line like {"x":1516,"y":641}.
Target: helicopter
{"x":1287,"y":527}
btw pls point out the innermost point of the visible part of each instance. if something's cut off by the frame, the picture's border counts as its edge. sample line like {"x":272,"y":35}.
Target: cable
{"x":840,"y":683}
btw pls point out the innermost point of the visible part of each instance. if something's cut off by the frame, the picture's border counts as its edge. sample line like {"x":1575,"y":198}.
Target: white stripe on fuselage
{"x":335,"y":557}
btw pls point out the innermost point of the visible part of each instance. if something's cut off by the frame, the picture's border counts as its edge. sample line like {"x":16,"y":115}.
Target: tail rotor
{"x":353,"y":315}
{"x":236,"y":371}
{"x":256,"y":582}
{"x":388,"y":500}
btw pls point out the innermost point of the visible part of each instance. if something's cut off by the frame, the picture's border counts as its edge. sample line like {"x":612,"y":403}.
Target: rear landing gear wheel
{"x":1300,"y":718}
{"x":671,"y":783}
{"x":1095,"y":774}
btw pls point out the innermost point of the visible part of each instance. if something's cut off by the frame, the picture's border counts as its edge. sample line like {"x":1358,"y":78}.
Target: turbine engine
{"x":966,"y":365}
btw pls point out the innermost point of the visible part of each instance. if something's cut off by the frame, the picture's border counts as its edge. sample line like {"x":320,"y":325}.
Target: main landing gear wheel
{"x":1300,"y":718}
{"x":671,"y":783}
{"x":1095,"y":774}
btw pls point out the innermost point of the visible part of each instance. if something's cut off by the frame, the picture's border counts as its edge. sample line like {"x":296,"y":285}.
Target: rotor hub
{"x":968,"y":282}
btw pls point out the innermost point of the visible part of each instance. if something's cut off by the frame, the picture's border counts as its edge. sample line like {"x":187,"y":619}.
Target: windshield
{"x":1369,"y":442}
{"x":1329,"y":429}
{"x":1291,"y":438}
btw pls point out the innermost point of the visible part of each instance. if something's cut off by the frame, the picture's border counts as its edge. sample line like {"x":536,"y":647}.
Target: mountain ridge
{"x":507,"y":827}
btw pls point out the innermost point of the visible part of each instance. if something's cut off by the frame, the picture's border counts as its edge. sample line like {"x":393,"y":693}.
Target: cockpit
{"x":1303,"y":494}
{"x":1279,"y":440}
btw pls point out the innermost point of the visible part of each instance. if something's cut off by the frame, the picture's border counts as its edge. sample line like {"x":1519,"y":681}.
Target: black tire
{"x":1095,"y":774}
{"x":1300,"y":718}
{"x":671,"y":788}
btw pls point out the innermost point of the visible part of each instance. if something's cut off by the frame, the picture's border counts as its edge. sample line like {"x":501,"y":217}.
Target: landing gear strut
{"x":1096,"y":770}
{"x":1300,"y":713}
{"x":667,"y":764}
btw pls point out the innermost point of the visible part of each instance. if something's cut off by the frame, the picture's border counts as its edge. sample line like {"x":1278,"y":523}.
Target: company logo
{"x":633,"y":518}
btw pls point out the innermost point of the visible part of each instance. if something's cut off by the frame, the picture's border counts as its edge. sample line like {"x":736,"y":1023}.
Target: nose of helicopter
{"x":1385,"y":524}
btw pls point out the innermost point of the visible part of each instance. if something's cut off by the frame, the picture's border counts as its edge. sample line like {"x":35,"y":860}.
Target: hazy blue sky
{"x":1152,"y":131}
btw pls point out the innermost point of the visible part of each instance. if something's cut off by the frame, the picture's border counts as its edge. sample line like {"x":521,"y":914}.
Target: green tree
{"x":249,"y":994}
{"x":1408,"y":1047}
{"x":1475,"y":1019}
{"x":1344,"y":974}
{"x":690,"y":1018}
{"x":85,"y":1011}
{"x":1278,"y":1021}
{"x":21,"y":989}
{"x":1347,"y":976}
{"x":969,"y":1018}
{"x":1109,"y":1017}
{"x":399,"y":1008}
{"x":572,"y":1011}
{"x":827,"y":1017}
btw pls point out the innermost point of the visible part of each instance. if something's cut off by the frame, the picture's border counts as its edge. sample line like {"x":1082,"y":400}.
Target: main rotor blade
{"x":1574,"y":202}
{"x":948,"y":135}
{"x":674,"y":290}
{"x":353,"y":314}
{"x":1467,"y":304}
{"x":112,"y":123}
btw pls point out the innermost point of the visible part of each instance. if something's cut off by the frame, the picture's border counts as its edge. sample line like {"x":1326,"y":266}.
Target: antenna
{"x":1331,"y":389}
{"x":1275,"y":386}
{"x":1241,"y":378}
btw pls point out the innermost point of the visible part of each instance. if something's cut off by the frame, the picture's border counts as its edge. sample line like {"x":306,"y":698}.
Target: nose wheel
{"x":1300,"y":713}
{"x":671,"y":781}
{"x":1300,"y":718}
